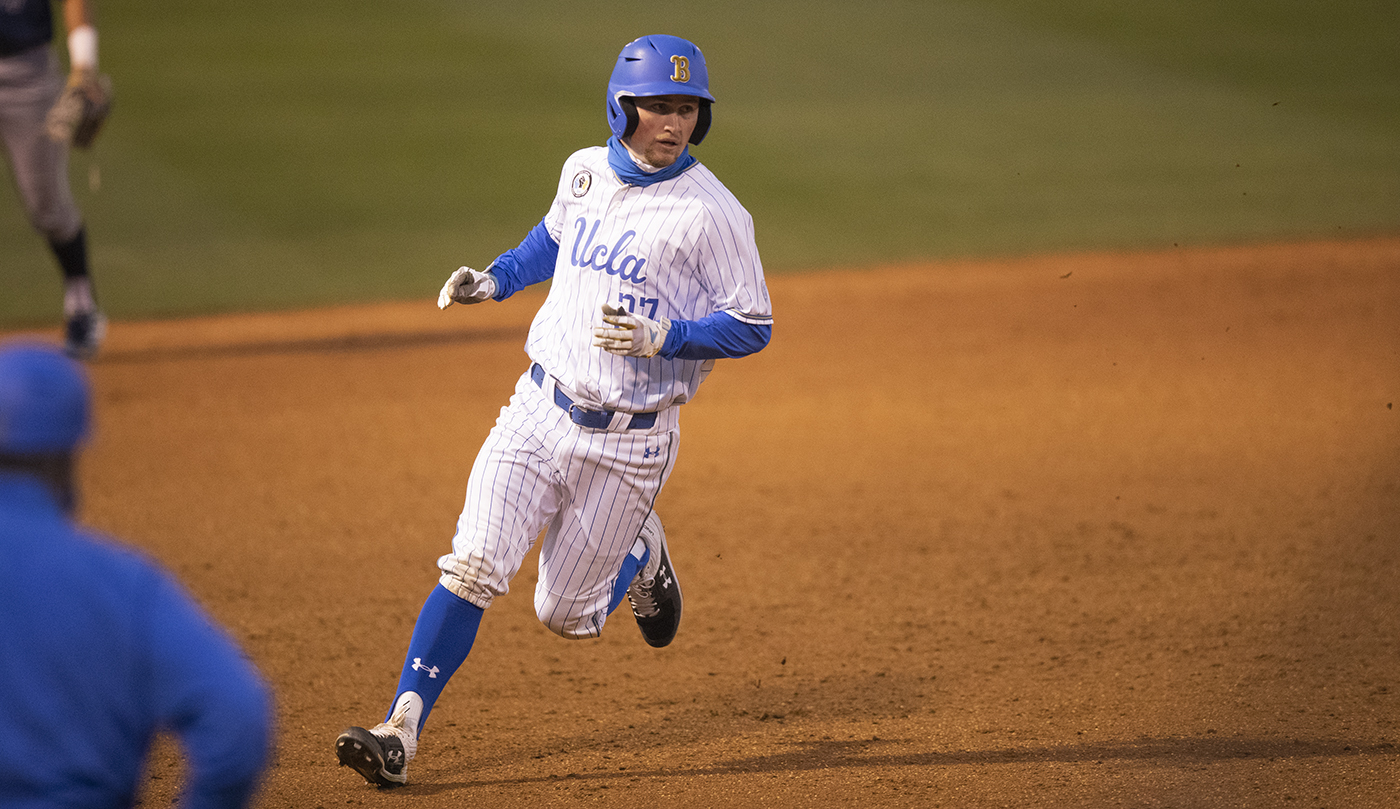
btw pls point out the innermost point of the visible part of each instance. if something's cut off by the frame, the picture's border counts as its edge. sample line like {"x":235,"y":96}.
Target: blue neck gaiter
{"x":629,"y":172}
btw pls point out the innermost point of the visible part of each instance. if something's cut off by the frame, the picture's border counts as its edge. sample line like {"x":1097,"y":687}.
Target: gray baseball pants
{"x":30,"y":83}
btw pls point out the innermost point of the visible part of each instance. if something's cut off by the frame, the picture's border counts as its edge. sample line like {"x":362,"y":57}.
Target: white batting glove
{"x":467,"y":286}
{"x":631,"y":335}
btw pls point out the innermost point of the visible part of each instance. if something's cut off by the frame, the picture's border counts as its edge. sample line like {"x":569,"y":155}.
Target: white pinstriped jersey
{"x":681,"y":248}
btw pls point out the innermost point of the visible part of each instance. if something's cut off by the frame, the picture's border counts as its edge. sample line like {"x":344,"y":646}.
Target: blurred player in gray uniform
{"x":655,"y":276}
{"x":30,"y":87}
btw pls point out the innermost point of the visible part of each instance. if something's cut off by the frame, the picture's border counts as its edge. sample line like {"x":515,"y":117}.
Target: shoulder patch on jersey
{"x":582,"y":182}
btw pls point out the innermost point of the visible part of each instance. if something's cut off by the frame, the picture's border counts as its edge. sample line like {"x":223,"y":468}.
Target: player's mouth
{"x":664,"y":151}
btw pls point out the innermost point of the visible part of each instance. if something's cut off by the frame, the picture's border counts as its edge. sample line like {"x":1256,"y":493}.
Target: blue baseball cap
{"x":44,"y":400}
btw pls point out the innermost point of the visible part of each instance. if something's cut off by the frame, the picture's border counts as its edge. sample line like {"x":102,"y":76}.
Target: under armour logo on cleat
{"x":395,"y":757}
{"x":418,"y":666}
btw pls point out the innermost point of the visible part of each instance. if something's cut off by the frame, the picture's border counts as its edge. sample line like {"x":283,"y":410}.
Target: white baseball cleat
{"x":382,"y":754}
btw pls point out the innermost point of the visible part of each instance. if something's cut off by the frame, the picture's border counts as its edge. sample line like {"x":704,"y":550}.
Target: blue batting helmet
{"x":43,"y":401}
{"x":657,"y":65}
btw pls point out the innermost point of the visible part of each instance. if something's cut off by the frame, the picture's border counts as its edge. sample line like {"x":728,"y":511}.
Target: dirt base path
{"x":1105,"y":530}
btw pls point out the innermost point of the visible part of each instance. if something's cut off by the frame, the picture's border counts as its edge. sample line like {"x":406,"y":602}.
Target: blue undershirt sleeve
{"x":529,"y":263}
{"x":717,"y":336}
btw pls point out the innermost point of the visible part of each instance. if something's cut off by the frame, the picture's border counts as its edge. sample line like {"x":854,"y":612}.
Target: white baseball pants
{"x":588,"y":490}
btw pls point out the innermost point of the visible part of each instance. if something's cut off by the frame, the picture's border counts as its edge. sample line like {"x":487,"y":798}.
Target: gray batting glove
{"x":631,"y":335}
{"x":467,"y":286}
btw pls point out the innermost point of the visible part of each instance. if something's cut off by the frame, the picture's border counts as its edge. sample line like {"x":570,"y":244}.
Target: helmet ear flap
{"x":629,"y":109}
{"x":702,"y":123}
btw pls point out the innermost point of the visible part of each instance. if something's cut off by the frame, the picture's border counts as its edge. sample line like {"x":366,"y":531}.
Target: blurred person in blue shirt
{"x":100,"y":649}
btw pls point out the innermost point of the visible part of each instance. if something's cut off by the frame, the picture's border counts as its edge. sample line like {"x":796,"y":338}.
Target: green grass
{"x":266,"y":155}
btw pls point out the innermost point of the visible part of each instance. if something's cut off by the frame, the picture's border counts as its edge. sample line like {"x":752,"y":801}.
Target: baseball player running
{"x":39,"y":118}
{"x":655,"y":276}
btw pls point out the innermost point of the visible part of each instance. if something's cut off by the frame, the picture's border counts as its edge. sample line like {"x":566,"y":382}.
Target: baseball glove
{"x":80,"y":111}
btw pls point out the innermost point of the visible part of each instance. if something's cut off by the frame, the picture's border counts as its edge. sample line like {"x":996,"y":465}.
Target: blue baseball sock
{"x":442,"y":638}
{"x":631,"y":565}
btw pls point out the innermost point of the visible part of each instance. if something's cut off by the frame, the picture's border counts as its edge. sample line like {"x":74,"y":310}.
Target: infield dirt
{"x":1099,"y":530}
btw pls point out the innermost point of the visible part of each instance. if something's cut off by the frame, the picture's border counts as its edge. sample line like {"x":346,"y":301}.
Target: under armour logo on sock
{"x":418,"y":666}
